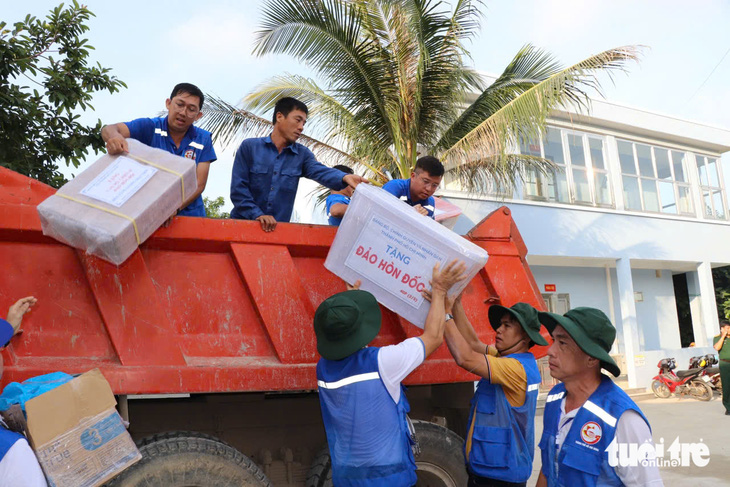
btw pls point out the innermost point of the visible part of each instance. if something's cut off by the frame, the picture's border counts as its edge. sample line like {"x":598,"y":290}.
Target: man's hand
{"x":420,"y":209}
{"x":724,"y":331}
{"x":268,"y":223}
{"x":354,"y":287}
{"x":353,"y":180}
{"x":444,"y":280}
{"x":18,"y":310}
{"x":449,"y":302}
{"x":117,"y":145}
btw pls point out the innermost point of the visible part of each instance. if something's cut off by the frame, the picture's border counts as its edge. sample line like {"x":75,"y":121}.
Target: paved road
{"x":693,"y":421}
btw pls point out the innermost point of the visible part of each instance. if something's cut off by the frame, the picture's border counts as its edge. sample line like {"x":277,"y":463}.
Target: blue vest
{"x":366,"y":431}
{"x":583,"y":458}
{"x":503,"y":439}
{"x":7,"y":440}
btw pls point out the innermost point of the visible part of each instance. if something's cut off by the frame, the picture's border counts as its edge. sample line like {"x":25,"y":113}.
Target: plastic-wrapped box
{"x":392,"y":249}
{"x":119,"y":201}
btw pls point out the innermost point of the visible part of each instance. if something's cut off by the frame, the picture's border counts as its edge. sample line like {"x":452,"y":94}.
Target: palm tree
{"x":394,"y":84}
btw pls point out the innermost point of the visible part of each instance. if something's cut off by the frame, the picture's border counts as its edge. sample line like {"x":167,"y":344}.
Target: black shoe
{"x":727,"y":413}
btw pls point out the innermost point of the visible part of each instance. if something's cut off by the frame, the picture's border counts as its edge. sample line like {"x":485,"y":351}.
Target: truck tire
{"x":440,"y":463}
{"x":190,"y":459}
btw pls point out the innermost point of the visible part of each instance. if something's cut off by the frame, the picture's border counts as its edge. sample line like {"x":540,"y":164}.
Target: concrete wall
{"x":649,"y":360}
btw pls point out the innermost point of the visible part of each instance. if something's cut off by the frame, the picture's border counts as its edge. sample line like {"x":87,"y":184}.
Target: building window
{"x":580,"y":175}
{"x":654,"y":179}
{"x":713,"y":200}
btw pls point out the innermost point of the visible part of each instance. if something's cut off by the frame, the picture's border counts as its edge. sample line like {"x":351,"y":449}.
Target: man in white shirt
{"x":363,"y":405}
{"x":18,"y":464}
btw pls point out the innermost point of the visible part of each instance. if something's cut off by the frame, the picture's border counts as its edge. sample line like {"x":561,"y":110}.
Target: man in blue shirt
{"x":338,"y":201}
{"x":266,"y":170}
{"x":174,"y":133}
{"x":419,"y":189}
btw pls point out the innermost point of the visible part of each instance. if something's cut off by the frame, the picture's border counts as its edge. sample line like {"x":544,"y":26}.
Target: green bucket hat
{"x":592,"y":331}
{"x":525,"y":314}
{"x":346,"y":322}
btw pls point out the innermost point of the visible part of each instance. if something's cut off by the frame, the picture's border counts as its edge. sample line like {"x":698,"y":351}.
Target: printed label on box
{"x":119,"y":182}
{"x":394,"y":260}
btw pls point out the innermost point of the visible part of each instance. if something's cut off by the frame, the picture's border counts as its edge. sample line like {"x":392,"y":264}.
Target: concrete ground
{"x":693,"y":422}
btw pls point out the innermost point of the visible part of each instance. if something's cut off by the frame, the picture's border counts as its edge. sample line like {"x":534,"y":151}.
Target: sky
{"x":152,"y":45}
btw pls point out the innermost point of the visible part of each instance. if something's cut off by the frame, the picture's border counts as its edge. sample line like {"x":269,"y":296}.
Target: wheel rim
{"x":660,"y":389}
{"x":431,"y":475}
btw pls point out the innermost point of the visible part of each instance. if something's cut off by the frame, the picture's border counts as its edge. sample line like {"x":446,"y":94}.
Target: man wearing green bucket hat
{"x":587,"y":417}
{"x":500,"y":441}
{"x":363,"y":405}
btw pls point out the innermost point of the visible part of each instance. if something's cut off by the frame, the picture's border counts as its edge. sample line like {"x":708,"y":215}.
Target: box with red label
{"x":392,"y":249}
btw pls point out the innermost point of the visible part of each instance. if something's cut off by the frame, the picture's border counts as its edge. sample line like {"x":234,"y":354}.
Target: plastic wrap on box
{"x":97,"y":211}
{"x":392,"y":249}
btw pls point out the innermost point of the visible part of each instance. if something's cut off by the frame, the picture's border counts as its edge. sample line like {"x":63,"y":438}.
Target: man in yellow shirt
{"x":500,"y":442}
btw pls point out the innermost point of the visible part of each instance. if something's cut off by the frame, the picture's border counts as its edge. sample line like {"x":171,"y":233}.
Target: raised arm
{"x":466,"y":329}
{"x":441,"y":282}
{"x":723,"y":334}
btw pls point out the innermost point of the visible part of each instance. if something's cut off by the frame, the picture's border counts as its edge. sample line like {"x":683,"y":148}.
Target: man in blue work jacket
{"x":419,"y":189}
{"x":174,"y":133}
{"x":266,"y":170}
{"x":363,"y":403}
{"x":587,"y":417}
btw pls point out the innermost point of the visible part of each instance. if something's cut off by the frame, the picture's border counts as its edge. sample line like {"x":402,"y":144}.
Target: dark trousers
{"x":475,"y":481}
{"x":725,"y":378}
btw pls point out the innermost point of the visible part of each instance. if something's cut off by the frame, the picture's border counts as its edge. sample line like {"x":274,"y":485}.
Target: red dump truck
{"x":205,"y":336}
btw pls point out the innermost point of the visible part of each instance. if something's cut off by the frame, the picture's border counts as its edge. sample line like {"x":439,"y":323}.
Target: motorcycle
{"x":708,"y":364}
{"x":681,"y":382}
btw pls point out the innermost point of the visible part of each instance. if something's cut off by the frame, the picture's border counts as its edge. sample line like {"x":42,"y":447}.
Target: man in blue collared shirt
{"x":266,"y":170}
{"x":174,"y":133}
{"x":419,"y":189}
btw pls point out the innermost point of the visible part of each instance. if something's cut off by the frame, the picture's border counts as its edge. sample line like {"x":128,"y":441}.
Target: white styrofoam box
{"x":100,"y":203}
{"x":392,"y":249}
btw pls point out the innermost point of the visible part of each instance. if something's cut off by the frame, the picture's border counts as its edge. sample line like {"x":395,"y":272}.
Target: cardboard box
{"x":119,"y":201}
{"x":392,"y":249}
{"x":77,"y":434}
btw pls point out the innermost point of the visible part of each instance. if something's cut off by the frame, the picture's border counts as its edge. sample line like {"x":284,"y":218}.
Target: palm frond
{"x":525,"y":116}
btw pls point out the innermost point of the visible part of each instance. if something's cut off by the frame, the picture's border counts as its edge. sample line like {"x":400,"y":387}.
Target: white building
{"x":638,"y":209}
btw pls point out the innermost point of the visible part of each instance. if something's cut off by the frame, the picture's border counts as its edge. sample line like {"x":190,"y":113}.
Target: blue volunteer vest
{"x":583,"y":458}
{"x":503,"y":439}
{"x":366,"y":431}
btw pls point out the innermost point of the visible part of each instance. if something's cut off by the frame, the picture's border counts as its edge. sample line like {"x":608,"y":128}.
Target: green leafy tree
{"x":45,"y":77}
{"x":213,"y":207}
{"x":721,"y":280}
{"x":393,"y":84}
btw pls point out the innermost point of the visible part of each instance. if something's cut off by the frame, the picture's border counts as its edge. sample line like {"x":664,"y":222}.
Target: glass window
{"x":580,"y":180}
{"x":631,"y":193}
{"x":663,"y":169}
{"x":685,"y":199}
{"x":678,"y":159}
{"x":575,"y":145}
{"x":650,"y":195}
{"x":530,"y":148}
{"x":666,"y":193}
{"x":596,"y":149}
{"x":554,"y":146}
{"x":603,"y":191}
{"x":626,"y":156}
{"x":558,"y":187}
{"x":643,"y":154}
{"x":713,"y":196}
